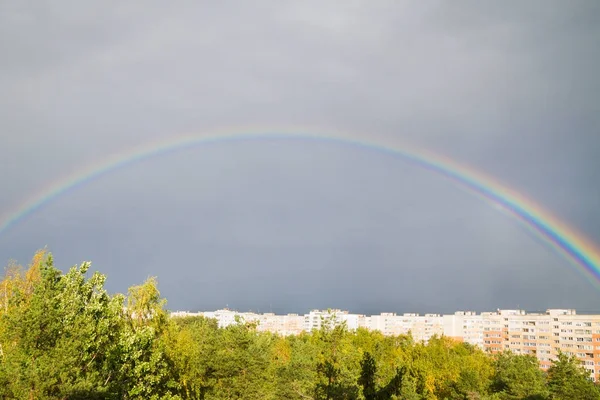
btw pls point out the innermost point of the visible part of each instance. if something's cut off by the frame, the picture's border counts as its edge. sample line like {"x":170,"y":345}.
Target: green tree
{"x":62,"y":336}
{"x":240,"y":365}
{"x":408,"y":389}
{"x":367,"y":377}
{"x":58,"y":339}
{"x":191,"y":344}
{"x":518,"y":377}
{"x":337,"y":369}
{"x":297,"y":367}
{"x":567,"y":379}
{"x":145,"y":369}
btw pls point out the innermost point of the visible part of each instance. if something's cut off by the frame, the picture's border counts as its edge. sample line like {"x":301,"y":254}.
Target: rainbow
{"x":576,"y":248}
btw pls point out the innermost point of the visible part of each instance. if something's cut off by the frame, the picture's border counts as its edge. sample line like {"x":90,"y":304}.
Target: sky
{"x":510,"y":89}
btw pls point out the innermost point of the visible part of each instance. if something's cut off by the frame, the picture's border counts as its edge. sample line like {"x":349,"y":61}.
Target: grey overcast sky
{"x":510,"y":88}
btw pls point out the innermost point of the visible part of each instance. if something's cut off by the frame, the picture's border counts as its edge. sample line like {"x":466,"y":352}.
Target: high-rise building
{"x":544,"y":335}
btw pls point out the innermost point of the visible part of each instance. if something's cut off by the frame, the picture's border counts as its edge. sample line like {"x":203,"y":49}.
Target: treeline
{"x":62,"y":336}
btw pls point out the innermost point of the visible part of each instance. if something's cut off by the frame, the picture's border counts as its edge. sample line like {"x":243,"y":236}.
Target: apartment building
{"x":544,"y":335}
{"x":290,"y":324}
{"x":421,"y":327}
{"x":224,"y":317}
{"x":315,"y":318}
{"x":464,"y":326}
{"x":387,"y":323}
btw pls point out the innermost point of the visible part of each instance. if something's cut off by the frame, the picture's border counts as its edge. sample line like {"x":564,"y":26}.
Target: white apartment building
{"x":224,"y":317}
{"x":183,"y":314}
{"x":290,"y":324}
{"x":421,"y":327}
{"x":315,"y":318}
{"x":465,"y":326}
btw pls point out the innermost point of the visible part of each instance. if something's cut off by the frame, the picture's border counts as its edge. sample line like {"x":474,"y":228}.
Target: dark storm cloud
{"x":510,"y":88}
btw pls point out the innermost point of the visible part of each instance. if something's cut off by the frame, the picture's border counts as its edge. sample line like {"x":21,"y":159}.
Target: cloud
{"x":509,"y":89}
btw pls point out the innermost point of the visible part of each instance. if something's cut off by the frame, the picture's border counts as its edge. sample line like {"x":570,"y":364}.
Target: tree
{"x":518,"y":377}
{"x":145,"y":369}
{"x":367,"y":377}
{"x":17,"y":282}
{"x":408,"y":389}
{"x":62,"y":336}
{"x":368,"y":380}
{"x":58,"y":336}
{"x":567,"y":379}
{"x":296,"y":373}
{"x":335,"y":377}
{"x":191,"y":344}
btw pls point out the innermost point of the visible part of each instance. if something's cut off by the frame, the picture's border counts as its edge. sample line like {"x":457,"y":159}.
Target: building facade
{"x":544,"y":335}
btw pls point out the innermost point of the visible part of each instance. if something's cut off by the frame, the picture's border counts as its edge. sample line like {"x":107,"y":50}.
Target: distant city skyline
{"x":397,"y":311}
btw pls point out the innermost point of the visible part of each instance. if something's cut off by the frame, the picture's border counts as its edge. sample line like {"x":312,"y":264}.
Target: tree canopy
{"x":63,"y":336}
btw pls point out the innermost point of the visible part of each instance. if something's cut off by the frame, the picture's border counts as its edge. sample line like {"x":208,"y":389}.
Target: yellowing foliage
{"x":281,"y":352}
{"x":16,"y":280}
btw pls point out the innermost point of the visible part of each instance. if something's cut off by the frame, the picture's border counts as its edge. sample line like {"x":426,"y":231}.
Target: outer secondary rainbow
{"x":579,"y":250}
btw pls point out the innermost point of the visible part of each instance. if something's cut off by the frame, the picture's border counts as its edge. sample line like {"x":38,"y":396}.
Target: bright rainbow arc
{"x":580,"y":251}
